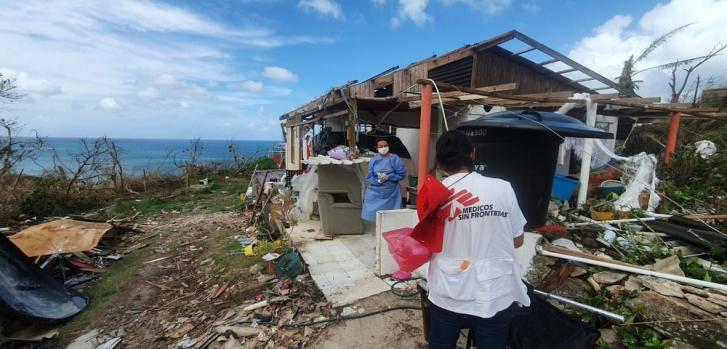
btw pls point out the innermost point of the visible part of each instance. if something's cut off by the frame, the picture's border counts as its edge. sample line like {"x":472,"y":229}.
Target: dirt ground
{"x":168,"y":298}
{"x":396,"y":329}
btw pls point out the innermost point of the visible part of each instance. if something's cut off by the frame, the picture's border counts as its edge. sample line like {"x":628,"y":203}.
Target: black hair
{"x":454,"y":151}
{"x":379,"y":139}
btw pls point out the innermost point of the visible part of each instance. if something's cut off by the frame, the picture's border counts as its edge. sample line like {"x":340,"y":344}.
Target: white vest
{"x":477,"y":273}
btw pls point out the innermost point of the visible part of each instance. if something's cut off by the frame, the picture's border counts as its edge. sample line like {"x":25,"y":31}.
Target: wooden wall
{"x":491,"y":69}
{"x":406,"y":77}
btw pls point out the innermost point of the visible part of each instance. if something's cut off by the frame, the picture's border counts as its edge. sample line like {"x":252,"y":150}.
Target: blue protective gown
{"x":387,"y":195}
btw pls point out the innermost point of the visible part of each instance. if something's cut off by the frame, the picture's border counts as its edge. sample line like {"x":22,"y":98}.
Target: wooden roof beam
{"x":555,"y":54}
{"x":563,"y":71}
{"x":523,"y":51}
{"x":550,"y":61}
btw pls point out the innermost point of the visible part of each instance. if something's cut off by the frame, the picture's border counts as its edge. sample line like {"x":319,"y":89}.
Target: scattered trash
{"x":110,"y":344}
{"x":61,"y":236}
{"x":29,"y":292}
{"x":187,"y":342}
{"x":181,"y":331}
{"x":705,"y":148}
{"x":256,"y":305}
{"x":271,"y":256}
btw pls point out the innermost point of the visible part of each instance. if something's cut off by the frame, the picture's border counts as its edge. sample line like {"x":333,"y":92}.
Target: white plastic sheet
{"x":306,"y":185}
{"x":640,"y":175}
{"x":705,"y":148}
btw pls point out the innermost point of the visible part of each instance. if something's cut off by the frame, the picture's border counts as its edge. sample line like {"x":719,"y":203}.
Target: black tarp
{"x":26,"y":291}
{"x":543,"y":326}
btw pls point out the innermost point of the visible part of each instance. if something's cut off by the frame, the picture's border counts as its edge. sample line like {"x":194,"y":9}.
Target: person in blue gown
{"x":385,"y":172}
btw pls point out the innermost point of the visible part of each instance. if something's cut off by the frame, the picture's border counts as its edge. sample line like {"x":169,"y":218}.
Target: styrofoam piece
{"x":387,"y":221}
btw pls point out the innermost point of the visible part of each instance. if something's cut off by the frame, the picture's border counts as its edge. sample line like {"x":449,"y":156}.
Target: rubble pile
{"x":676,"y":288}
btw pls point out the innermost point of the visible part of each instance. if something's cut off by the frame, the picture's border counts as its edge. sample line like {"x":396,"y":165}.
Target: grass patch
{"x":217,"y":197}
{"x":227,"y":256}
{"x":110,"y":283}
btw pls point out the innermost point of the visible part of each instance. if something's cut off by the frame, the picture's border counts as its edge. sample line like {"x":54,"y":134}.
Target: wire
{"x":404,"y":294}
{"x":441,"y":105}
{"x":350,"y":317}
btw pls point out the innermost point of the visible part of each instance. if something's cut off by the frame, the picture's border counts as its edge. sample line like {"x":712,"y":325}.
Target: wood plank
{"x":604,"y":96}
{"x":494,"y":88}
{"x":570,"y":70}
{"x":449,"y":58}
{"x":383,"y":81}
{"x":523,"y":51}
{"x":555,"y":54}
{"x":640,"y":99}
{"x":497,"y":88}
{"x":550,"y":61}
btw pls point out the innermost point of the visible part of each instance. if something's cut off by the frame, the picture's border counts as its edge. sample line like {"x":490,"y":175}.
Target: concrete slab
{"x":342,"y":267}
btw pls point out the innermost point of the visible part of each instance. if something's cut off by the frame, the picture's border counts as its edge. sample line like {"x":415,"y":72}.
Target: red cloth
{"x":430,"y":229}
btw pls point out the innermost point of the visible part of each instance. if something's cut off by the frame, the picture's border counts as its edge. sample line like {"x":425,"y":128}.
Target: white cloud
{"x":279,"y":74}
{"x":490,"y":7}
{"x":280,"y":91}
{"x":615,"y":40}
{"x":167,"y":91}
{"x":531,"y":6}
{"x":255,"y":86}
{"x":109,"y":103}
{"x":413,"y":10}
{"x":27,"y":84}
{"x":323,"y":7}
{"x":149,"y":93}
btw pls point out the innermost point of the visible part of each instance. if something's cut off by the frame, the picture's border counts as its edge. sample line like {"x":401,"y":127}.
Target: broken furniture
{"x":340,"y":198}
{"x":29,"y":292}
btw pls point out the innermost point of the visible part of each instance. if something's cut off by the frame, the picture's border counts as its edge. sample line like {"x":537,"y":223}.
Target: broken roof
{"x":483,"y":64}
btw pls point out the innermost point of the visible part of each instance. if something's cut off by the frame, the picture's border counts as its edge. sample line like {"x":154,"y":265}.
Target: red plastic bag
{"x":409,"y":253}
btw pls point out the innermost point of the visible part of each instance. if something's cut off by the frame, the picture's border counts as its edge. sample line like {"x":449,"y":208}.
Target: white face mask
{"x":383,"y":150}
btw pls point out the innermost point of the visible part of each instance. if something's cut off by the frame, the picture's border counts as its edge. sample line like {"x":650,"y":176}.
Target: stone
{"x":694,"y":290}
{"x":88,"y":340}
{"x":632,"y":284}
{"x":255,"y":268}
{"x":662,"y":286}
{"x":703,"y":303}
{"x":701,"y":334}
{"x":608,"y":277}
{"x":610,"y":337}
{"x":578,"y":271}
{"x":717,"y":299}
{"x":238,"y":331}
{"x":669,"y":265}
{"x":616,"y":290}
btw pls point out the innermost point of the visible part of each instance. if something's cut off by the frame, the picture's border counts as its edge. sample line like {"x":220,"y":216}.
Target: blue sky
{"x":228,"y":69}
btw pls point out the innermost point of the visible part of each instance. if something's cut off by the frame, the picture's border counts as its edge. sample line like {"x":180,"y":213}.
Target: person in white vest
{"x":474,"y":282}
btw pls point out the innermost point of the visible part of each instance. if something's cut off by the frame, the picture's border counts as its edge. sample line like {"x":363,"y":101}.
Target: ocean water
{"x":150,"y":154}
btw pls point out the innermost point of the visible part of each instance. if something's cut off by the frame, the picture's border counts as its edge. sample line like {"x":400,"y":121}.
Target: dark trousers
{"x":490,"y":333}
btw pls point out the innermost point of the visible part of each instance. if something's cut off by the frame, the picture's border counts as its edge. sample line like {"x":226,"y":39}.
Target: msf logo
{"x":457,"y":201}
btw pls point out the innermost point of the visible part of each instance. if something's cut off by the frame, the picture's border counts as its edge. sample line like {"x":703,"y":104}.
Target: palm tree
{"x":626,"y":79}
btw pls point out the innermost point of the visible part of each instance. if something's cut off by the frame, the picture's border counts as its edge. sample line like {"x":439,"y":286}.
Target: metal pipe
{"x":641,"y":271}
{"x":613,"y":316}
{"x":671,"y":138}
{"x":425,"y":125}
{"x":591,"y":109}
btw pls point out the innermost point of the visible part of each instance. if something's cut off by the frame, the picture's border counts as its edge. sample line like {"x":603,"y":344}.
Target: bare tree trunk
{"x":696,"y":89}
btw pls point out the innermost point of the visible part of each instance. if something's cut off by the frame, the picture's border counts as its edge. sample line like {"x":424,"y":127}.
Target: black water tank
{"x":521,"y":147}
